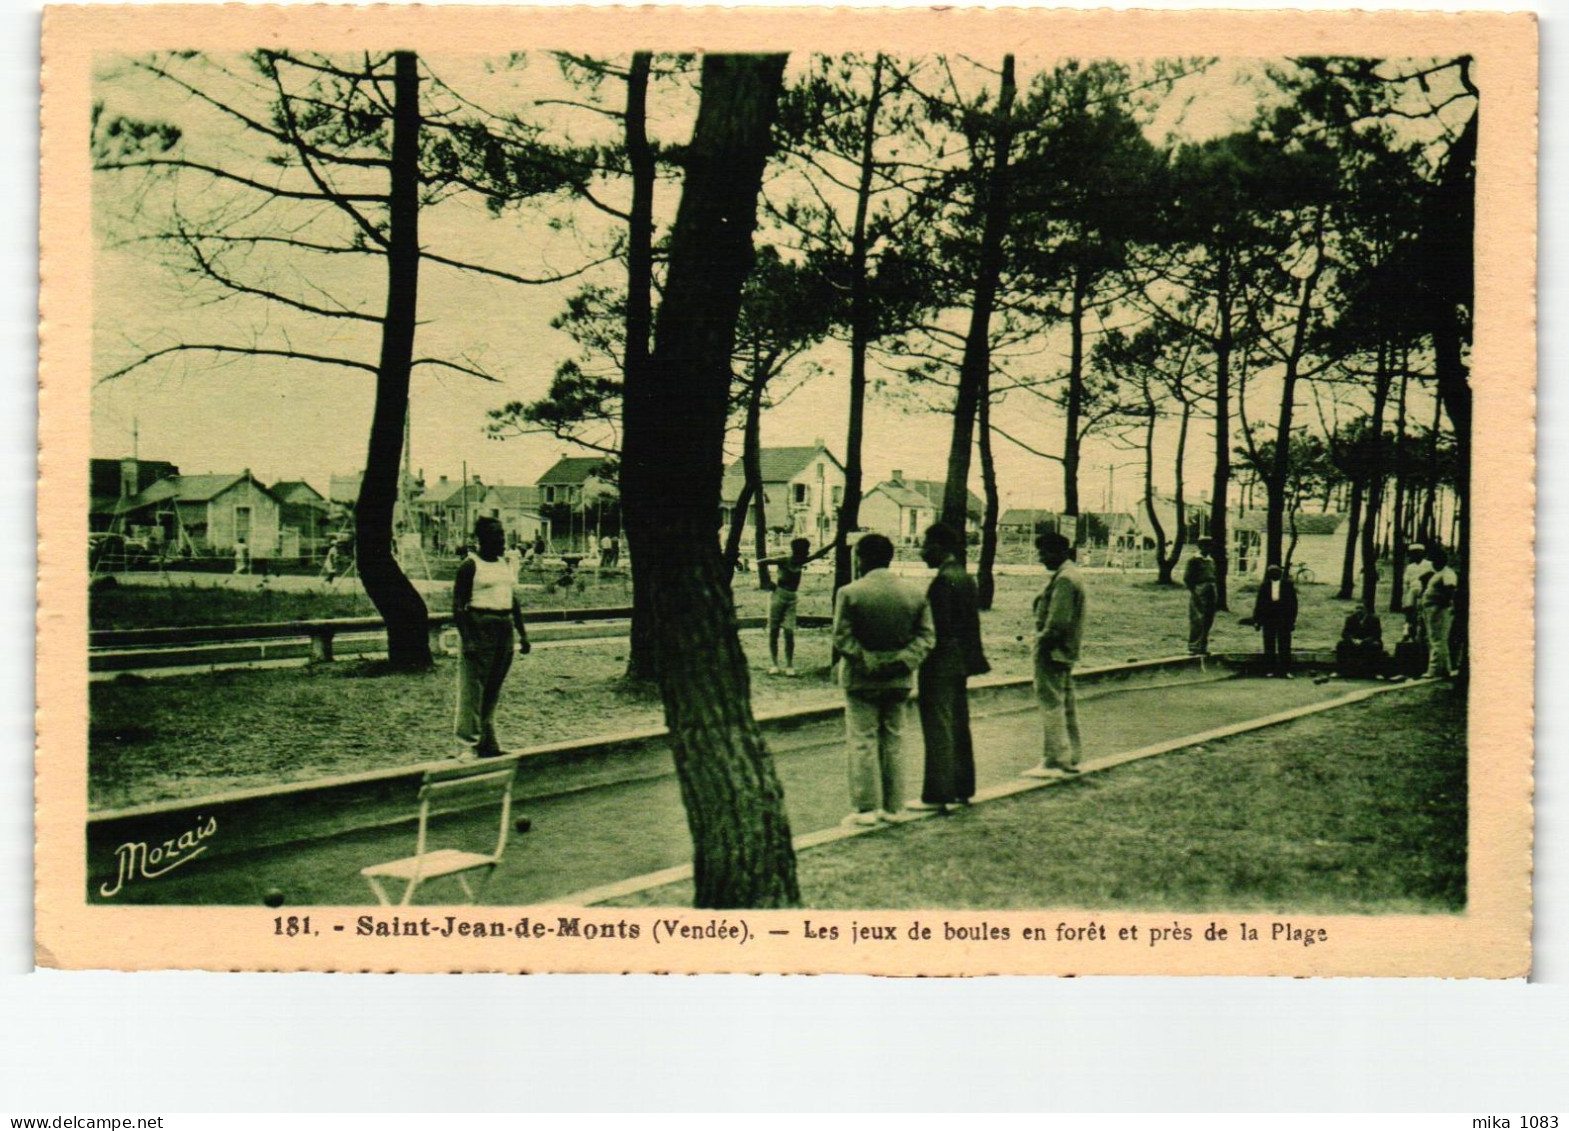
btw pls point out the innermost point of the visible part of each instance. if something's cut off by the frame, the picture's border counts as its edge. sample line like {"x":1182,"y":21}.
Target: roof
{"x":290,"y":490}
{"x":934,"y":489}
{"x":191,"y":489}
{"x":572,"y":470}
{"x":1111,"y":520}
{"x":345,"y":489}
{"x":509,"y":496}
{"x":780,"y":465}
{"x":1025,"y":516}
{"x":901,"y":494}
{"x":450,"y":493}
{"x":1309,"y":525}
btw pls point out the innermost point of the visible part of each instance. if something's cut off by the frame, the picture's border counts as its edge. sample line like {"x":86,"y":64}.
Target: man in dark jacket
{"x":1275,"y":614}
{"x":942,"y":685}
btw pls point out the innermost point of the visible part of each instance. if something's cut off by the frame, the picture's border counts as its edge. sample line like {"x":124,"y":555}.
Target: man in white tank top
{"x":486,"y":611}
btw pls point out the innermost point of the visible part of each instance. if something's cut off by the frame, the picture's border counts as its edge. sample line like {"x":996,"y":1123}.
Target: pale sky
{"x":302,"y":421}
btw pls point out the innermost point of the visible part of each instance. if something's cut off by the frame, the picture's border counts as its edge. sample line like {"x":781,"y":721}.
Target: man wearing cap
{"x":1199,"y":577}
{"x":1418,"y":570}
{"x":1059,"y":629}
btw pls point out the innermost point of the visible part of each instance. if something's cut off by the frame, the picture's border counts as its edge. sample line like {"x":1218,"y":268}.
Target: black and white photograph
{"x":796,"y":489}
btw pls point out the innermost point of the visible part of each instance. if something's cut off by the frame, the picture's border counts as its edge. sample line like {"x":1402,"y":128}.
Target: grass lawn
{"x":188,"y":736}
{"x":1358,"y":810}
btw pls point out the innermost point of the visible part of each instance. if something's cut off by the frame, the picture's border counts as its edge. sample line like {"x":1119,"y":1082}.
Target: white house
{"x":803,"y":489}
{"x":210,"y":513}
{"x":1320,"y":543}
{"x":518,"y":510}
{"x":903,"y":508}
{"x":1194,"y":512}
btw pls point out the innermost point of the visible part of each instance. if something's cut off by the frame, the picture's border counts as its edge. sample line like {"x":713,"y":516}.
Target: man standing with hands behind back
{"x":1059,"y":629}
{"x":882,"y":632}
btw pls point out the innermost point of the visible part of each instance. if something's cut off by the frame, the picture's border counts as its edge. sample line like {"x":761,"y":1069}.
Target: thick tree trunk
{"x":985,"y":581}
{"x":395,"y":598}
{"x":673,"y":455}
{"x":640,"y":280}
{"x":976,"y":366}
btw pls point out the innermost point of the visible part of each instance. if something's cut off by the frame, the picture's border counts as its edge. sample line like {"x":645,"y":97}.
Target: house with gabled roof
{"x":1022,"y":524}
{"x":210,"y":513}
{"x":1315,"y":540}
{"x":903,"y":508}
{"x":446,"y":509}
{"x":303,"y":515}
{"x":567,"y":482}
{"x":114,"y":482}
{"x":803,"y":488}
{"x":518,"y":510}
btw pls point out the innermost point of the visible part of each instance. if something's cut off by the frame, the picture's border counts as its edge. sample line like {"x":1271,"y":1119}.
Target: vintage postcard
{"x":703,"y":490}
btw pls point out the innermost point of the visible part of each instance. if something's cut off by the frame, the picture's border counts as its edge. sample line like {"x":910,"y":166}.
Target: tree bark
{"x":674,"y":450}
{"x":639,"y":319}
{"x":975,"y":368}
{"x":395,"y":598}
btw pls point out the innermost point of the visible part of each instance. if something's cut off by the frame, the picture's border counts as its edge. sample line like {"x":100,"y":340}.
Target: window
{"x":802,"y":494}
{"x":550,"y":494}
{"x":838,"y":495}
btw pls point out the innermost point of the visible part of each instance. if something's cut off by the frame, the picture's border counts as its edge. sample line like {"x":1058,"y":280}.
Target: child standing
{"x":486,"y":611}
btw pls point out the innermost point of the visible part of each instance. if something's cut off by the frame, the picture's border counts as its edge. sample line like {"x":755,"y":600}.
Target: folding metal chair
{"x":442,"y":792}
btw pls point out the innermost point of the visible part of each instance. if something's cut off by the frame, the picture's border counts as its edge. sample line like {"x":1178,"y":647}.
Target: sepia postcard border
{"x":1491,"y":938}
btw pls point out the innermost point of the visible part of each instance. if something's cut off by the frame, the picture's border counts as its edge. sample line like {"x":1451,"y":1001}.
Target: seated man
{"x":1360,"y":653}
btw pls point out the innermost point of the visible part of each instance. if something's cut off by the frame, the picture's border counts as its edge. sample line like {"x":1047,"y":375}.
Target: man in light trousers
{"x":882,"y":632}
{"x":1059,"y":629}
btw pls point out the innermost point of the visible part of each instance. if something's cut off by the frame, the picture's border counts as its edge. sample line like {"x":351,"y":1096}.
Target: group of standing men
{"x":1429,"y":587}
{"x":1428,"y":598}
{"x":889,"y":635}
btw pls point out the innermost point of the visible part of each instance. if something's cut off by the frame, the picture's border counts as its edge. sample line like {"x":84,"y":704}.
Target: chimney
{"x":477,"y":483}
{"x":898,"y":478}
{"x":443,"y":480}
